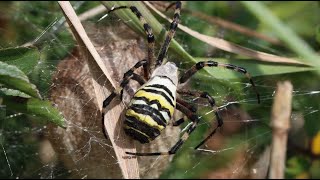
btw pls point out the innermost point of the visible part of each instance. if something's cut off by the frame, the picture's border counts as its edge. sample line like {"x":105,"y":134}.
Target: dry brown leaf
{"x":129,"y":166}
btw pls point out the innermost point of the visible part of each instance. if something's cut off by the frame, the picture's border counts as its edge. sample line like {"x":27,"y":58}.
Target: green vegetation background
{"x":25,"y":21}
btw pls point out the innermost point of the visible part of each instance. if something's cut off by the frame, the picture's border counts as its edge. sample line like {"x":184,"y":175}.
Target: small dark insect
{"x":153,"y":105}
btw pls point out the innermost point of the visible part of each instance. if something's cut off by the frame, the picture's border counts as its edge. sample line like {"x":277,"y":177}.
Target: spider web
{"x":239,"y":149}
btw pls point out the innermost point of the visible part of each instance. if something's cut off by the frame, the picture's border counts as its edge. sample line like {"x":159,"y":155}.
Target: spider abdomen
{"x":152,"y":106}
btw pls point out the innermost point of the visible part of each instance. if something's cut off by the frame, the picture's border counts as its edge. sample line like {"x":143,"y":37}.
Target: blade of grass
{"x":235,"y":27}
{"x":132,"y":21}
{"x":287,"y":35}
{"x":231,"y":47}
{"x":266,"y":68}
{"x":222,"y":23}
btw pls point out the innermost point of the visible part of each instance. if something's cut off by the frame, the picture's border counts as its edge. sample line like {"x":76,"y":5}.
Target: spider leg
{"x":181,"y":102}
{"x":194,"y":119}
{"x":208,"y":137}
{"x":126,"y":77}
{"x":195,"y":68}
{"x":213,"y":105}
{"x":210,"y":99}
{"x":170,"y":34}
{"x":168,"y":7}
{"x":187,"y":105}
{"x":106,"y":102}
{"x":178,"y":122}
{"x":151,"y":58}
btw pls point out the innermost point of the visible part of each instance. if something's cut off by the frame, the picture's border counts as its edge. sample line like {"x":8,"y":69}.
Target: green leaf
{"x":26,"y":59}
{"x":34,"y":107}
{"x":13,"y":92}
{"x":254,"y":67}
{"x":14,"y":78}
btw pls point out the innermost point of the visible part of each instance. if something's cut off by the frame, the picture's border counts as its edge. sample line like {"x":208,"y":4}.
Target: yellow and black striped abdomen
{"x":150,"y":109}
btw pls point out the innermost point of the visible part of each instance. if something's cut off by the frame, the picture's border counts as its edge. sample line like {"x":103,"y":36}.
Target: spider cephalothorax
{"x":153,"y":104}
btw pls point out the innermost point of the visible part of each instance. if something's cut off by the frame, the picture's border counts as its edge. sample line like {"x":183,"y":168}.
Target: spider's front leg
{"x":150,"y":37}
{"x":170,"y":34}
{"x":195,"y":68}
{"x":126,"y":78}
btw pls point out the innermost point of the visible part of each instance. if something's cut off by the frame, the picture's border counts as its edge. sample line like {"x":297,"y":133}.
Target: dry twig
{"x":280,"y":123}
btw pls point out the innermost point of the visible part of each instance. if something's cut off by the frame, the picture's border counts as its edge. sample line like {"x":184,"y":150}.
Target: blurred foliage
{"x":26,"y":22}
{"x":17,"y":92}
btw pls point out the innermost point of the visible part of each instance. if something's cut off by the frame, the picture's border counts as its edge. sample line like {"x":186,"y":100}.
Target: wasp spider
{"x":153,"y":104}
